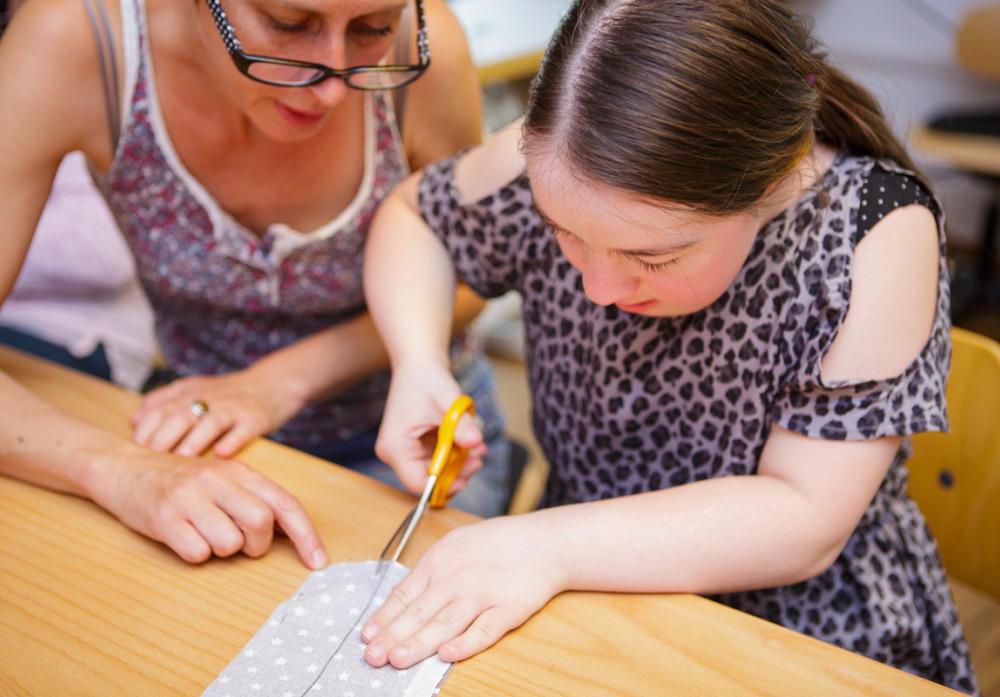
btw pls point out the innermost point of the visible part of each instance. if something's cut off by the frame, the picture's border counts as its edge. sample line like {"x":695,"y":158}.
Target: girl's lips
{"x":299,"y":118}
{"x":636,"y":308}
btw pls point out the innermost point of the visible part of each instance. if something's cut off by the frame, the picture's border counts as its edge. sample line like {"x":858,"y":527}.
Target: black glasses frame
{"x":243,"y":61}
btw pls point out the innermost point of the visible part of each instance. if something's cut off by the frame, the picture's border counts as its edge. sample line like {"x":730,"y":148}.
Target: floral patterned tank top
{"x":223,"y":296}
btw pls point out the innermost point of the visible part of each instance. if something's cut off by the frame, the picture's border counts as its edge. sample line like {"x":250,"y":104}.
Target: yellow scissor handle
{"x":448,"y":458}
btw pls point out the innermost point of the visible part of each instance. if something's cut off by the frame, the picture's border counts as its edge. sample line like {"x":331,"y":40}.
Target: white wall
{"x":903,"y":51}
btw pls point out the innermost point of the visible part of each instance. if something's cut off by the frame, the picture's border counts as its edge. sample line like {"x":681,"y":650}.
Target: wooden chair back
{"x":955,"y":477}
{"x":977,"y":41}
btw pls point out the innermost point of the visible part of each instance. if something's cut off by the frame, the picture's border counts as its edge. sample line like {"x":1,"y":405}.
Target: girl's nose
{"x":606,"y":282}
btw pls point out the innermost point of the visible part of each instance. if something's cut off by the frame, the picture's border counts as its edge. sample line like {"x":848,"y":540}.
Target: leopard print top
{"x":624,"y":403}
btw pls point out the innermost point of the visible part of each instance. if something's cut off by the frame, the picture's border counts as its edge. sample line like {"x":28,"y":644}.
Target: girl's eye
{"x":658,"y":266}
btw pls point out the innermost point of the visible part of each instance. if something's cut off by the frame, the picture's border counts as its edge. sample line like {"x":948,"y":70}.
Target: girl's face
{"x":334,"y":33}
{"x":646,"y":259}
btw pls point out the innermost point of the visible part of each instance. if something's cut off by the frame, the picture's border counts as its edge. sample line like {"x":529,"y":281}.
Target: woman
{"x":244,"y":172}
{"x":736,"y":309}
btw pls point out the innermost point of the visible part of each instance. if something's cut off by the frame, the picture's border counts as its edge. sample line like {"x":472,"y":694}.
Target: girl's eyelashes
{"x":652,"y":266}
{"x":658,"y":266}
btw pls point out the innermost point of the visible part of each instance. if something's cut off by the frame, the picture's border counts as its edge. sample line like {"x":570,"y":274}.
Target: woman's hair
{"x":703,"y":103}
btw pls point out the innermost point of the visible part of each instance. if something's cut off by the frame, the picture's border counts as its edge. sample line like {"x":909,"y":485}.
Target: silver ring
{"x":199,"y":408}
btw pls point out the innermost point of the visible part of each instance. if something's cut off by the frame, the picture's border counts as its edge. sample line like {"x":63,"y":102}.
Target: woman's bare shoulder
{"x":444,"y":107}
{"x":49,"y":58}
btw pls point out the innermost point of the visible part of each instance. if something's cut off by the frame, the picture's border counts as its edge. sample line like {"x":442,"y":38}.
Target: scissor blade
{"x":395,"y":541}
{"x":395,"y":547}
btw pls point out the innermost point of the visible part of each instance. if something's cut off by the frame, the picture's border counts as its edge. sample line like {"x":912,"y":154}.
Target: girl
{"x":736,"y":310}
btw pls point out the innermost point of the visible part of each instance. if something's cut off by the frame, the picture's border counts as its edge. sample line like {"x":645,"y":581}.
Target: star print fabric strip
{"x":311,"y":644}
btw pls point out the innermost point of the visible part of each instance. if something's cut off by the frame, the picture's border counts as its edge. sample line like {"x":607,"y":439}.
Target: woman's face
{"x":646,"y":259}
{"x":335,"y":33}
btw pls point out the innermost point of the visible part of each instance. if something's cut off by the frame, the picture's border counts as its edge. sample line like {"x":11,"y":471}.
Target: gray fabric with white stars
{"x":311,"y":644}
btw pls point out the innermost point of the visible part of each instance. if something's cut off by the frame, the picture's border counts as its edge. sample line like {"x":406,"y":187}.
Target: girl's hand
{"x":418,"y":399}
{"x":467,"y":591}
{"x":240,"y":408}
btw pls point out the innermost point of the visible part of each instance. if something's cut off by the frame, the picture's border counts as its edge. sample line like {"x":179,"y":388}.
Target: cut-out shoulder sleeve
{"x":910,"y":402}
{"x":491,"y":240}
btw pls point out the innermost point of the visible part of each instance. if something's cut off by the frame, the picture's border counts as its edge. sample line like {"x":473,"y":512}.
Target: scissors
{"x":446,"y":463}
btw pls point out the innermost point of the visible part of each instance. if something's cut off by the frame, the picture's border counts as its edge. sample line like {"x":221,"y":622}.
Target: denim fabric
{"x":94,"y":364}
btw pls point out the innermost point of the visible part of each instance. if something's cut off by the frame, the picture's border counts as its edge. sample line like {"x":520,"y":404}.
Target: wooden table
{"x":88,"y":607}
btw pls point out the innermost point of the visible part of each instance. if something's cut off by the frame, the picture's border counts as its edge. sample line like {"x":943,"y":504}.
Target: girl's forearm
{"x":712,"y":536}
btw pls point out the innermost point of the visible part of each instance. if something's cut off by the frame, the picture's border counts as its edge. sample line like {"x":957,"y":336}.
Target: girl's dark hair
{"x":703,"y":103}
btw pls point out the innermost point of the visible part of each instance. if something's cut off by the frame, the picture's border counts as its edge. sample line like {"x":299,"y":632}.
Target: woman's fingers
{"x":200,"y":507}
{"x":292,"y":519}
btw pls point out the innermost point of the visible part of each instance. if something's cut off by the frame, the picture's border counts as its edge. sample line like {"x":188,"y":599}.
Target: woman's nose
{"x":331,"y":52}
{"x":330,"y":92}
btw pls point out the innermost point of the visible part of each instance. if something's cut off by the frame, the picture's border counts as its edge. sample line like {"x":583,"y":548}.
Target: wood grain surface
{"x":88,"y":607}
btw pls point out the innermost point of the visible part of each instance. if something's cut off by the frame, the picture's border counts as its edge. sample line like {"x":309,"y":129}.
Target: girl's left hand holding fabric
{"x":241,"y":407}
{"x":467,"y":591}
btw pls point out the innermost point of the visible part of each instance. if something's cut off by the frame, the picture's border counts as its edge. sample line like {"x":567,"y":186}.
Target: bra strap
{"x":109,"y":67}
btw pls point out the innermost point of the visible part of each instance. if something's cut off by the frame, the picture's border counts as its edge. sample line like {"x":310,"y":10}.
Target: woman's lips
{"x":299,"y":118}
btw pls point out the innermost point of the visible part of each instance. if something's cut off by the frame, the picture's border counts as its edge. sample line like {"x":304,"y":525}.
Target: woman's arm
{"x":786,"y":523}
{"x":50,"y":76}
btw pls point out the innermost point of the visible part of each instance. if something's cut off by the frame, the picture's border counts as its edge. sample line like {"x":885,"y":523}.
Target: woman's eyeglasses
{"x":292,"y":73}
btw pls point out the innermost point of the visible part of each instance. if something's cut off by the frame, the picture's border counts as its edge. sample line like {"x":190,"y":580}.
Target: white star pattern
{"x":287,"y":658}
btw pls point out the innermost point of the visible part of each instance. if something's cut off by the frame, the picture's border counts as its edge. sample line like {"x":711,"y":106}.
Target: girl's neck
{"x":800,"y":180}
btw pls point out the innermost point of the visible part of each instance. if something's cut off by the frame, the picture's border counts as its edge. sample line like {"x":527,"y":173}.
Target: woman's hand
{"x":467,"y":591}
{"x":418,"y":399}
{"x":241,"y":407}
{"x":204,"y":506}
